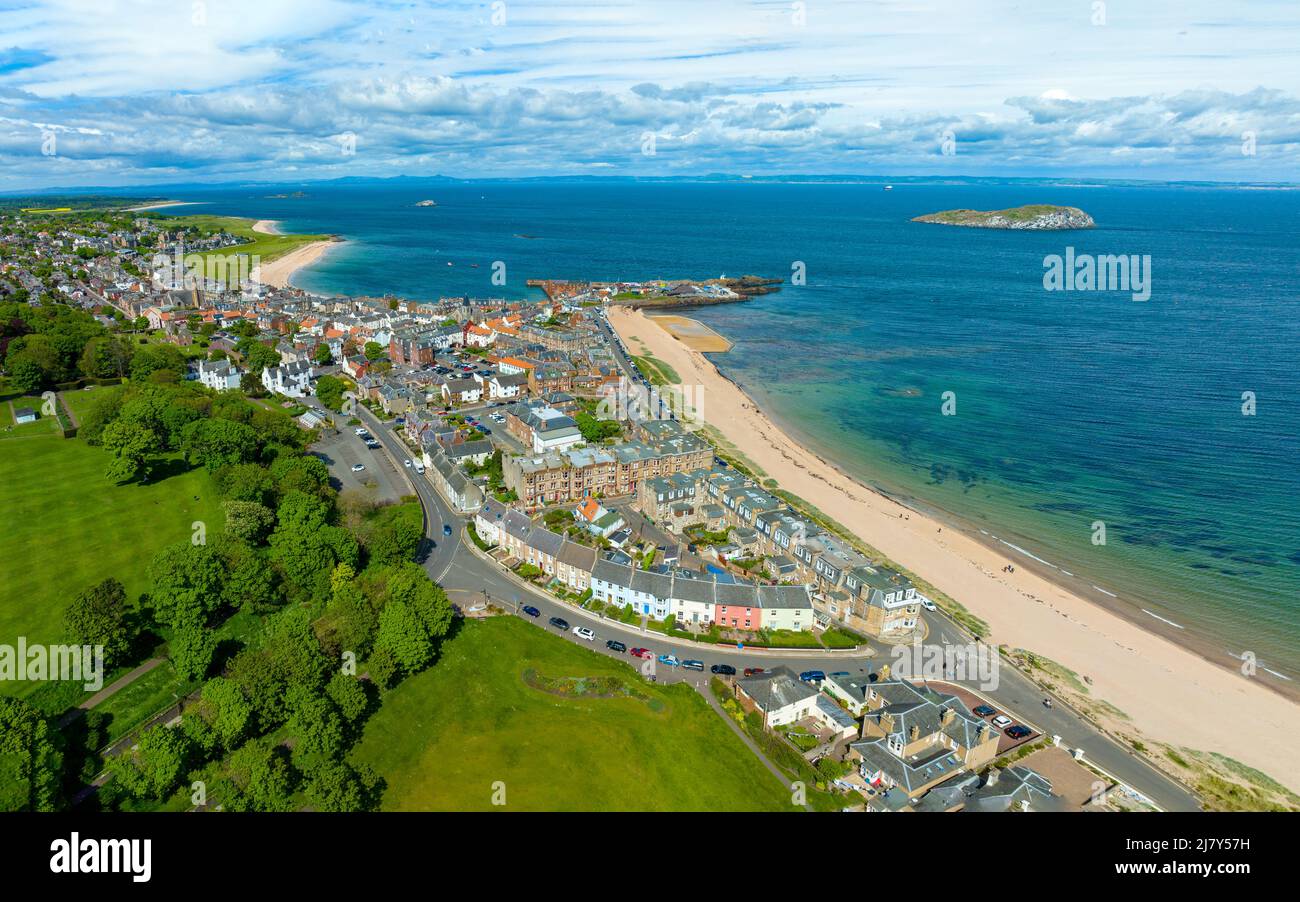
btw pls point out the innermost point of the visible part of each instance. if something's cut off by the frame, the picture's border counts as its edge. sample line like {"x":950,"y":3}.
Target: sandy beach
{"x":1168,"y":693}
{"x":278,"y":273}
{"x":165,"y":203}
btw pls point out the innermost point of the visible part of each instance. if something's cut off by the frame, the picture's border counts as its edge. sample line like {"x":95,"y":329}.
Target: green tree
{"x":348,"y":695}
{"x":330,"y":391}
{"x":154,"y":767}
{"x":97,"y":616}
{"x":338,"y":786}
{"x":29,"y":758}
{"x":219,"y":443}
{"x":248,"y":520}
{"x":322,"y":356}
{"x":192,"y":647}
{"x":187,"y":583}
{"x":260,"y":778}
{"x":403,"y":634}
{"x":373,"y":350}
{"x":225,"y":711}
{"x":131,"y":447}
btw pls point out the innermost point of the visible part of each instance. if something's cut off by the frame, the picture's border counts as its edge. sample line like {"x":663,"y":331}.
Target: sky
{"x":138,"y":92}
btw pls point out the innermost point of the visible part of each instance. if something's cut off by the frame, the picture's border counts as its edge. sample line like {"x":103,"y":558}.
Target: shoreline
{"x":166,"y":203}
{"x":1164,"y":689}
{"x":279,"y":273}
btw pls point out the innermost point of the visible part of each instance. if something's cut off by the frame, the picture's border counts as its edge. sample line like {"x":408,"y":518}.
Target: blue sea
{"x":1072,"y":408}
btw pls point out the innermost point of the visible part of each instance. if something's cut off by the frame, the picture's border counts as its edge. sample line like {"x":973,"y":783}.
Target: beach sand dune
{"x":1171,"y":694}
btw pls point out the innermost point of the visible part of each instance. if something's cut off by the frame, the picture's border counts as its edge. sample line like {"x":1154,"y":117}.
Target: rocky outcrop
{"x":1034,"y":217}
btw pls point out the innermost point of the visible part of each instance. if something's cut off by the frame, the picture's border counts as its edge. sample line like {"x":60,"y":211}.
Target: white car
{"x":1002,"y":721}
{"x":928,"y":604}
{"x":357,"y":468}
{"x":583,"y":633}
{"x":406,"y":463}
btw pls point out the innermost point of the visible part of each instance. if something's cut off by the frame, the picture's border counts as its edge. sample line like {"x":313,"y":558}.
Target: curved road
{"x":467,"y":577}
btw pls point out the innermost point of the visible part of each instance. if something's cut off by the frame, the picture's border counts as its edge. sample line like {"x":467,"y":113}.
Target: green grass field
{"x":445,"y":736}
{"x":66,"y":527}
{"x":658,"y":372}
{"x":267,"y":247}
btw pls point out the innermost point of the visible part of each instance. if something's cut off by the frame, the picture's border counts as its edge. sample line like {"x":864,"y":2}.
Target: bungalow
{"x":24,"y":415}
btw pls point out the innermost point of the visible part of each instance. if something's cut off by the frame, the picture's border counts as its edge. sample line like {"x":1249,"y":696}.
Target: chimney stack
{"x":948,"y":716}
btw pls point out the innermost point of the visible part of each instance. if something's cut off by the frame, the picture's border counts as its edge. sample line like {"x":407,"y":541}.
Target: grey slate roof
{"x":776,"y":689}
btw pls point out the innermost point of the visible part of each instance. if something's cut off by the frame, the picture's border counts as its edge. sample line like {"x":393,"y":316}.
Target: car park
{"x":1019,"y":731}
{"x":691,"y":664}
{"x":531,"y":611}
{"x":615,"y":645}
{"x":1002,"y":721}
{"x":560,"y":624}
{"x":583,"y":632}
{"x":985,"y":710}
{"x":723,"y":669}
{"x":669,"y":660}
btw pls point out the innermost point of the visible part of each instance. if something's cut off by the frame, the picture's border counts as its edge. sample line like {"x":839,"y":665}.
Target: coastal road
{"x":469,"y":578}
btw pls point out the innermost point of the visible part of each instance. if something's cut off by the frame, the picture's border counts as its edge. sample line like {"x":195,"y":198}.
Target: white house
{"x":781,"y":696}
{"x":218,"y":375}
{"x":291,"y":379}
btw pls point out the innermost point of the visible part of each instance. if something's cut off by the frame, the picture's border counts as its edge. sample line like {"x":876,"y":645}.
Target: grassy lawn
{"x":66,"y":527}
{"x":442,"y":738}
{"x":268,"y":247}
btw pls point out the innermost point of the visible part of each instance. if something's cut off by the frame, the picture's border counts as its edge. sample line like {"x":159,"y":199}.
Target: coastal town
{"x":585,"y":488}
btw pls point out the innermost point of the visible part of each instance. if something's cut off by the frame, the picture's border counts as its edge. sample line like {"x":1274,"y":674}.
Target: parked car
{"x":406,"y":463}
{"x":840,"y":673}
{"x":928,"y":604}
{"x":560,"y":624}
{"x":813,"y":676}
{"x":1019,"y":731}
{"x":985,"y":710}
{"x":724,"y":669}
{"x":1002,"y":721}
{"x":669,"y":660}
{"x":752,"y":671}
{"x":615,"y":645}
{"x":446,"y":529}
{"x":692,"y":664}
{"x":642,"y":653}
{"x":357,"y":468}
{"x":583,"y":633}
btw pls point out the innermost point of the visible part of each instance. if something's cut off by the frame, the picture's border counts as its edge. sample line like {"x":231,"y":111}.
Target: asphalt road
{"x":469,"y":578}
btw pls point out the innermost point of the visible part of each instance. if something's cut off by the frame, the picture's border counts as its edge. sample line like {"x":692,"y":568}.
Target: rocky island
{"x":427,"y":203}
{"x":1038,"y":217}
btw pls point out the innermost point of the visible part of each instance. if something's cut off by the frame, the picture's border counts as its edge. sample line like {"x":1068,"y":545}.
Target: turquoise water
{"x":1072,"y":407}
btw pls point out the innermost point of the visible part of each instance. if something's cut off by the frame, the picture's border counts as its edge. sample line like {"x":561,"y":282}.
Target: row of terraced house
{"x":691,"y":599}
{"x":850,"y":587}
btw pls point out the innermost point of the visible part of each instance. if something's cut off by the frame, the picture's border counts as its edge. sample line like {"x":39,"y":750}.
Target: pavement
{"x":469,"y":576}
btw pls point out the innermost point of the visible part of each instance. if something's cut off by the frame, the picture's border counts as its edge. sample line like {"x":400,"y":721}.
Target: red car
{"x":751,"y":671}
{"x":642,"y":653}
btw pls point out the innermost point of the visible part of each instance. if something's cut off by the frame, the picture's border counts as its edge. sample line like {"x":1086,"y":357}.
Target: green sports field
{"x":65,"y":526}
{"x":444,"y":737}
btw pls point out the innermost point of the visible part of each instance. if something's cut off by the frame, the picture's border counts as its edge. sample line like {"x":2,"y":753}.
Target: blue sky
{"x":122,"y":92}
